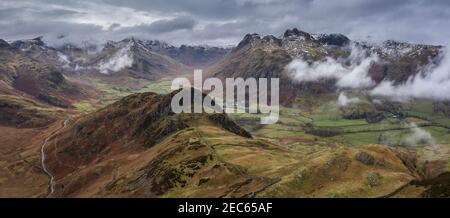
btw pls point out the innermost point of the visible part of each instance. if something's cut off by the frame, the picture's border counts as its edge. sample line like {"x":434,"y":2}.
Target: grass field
{"x":327,"y":115}
{"x":111,"y":93}
{"x":321,"y":113}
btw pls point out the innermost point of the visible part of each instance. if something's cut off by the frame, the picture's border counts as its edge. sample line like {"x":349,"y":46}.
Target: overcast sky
{"x":223,"y":22}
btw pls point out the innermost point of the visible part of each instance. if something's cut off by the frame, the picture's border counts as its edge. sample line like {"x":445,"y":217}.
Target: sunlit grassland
{"x":84,"y":106}
{"x":392,"y":131}
{"x":424,"y":110}
{"x":113,"y":92}
{"x":29,"y":104}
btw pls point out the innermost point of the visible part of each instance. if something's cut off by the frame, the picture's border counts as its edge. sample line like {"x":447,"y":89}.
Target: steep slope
{"x":85,"y":56}
{"x":33,"y":93}
{"x":21,"y":75}
{"x":269,"y":56}
{"x":194,"y":56}
{"x":130,"y":57}
{"x":22,"y":112}
{"x":37,"y":50}
{"x":137,"y":147}
{"x":142,"y":136}
{"x":21,"y":174}
{"x":402,"y":60}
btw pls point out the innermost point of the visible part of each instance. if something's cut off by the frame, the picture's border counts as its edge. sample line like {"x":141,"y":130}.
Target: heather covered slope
{"x":34,"y":93}
{"x":21,"y":75}
{"x":21,"y":173}
{"x":38,"y":50}
{"x":131,"y":57}
{"x":25,"y":113}
{"x":136,"y":123}
{"x":137,"y":147}
{"x":332,"y":139}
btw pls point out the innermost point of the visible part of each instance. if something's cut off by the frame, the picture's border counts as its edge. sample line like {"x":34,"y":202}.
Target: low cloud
{"x":63,"y":59}
{"x":418,"y":136}
{"x":350,"y":72}
{"x":169,"y":25}
{"x":432,"y":83}
{"x":120,"y":60}
{"x":343,"y":100}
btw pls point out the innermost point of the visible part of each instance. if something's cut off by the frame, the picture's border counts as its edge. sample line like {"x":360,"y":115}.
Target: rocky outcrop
{"x":267,"y":56}
{"x":45,"y":82}
{"x":365,"y":158}
{"x":295,"y":33}
{"x":333,"y":39}
{"x":3,"y":44}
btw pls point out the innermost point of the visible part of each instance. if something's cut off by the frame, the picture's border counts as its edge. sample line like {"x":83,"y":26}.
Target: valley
{"x":99,"y":124}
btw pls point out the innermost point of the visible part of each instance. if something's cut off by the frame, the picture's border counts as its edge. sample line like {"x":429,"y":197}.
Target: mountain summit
{"x":268,"y":56}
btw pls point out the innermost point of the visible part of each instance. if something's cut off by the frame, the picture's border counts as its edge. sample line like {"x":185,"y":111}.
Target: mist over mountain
{"x":397,"y":70}
{"x":431,"y":82}
{"x":87,"y":99}
{"x":350,"y":72}
{"x":328,"y":63}
{"x":426,"y":81}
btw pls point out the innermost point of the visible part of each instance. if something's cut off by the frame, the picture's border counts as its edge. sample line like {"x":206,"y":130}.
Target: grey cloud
{"x":212,"y":9}
{"x":52,"y":31}
{"x":58,"y":13}
{"x":227,"y":21}
{"x":8,"y":13}
{"x":114,"y":26}
{"x":163,"y":26}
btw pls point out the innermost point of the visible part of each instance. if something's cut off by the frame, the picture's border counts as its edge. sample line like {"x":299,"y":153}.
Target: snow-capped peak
{"x":121,"y":59}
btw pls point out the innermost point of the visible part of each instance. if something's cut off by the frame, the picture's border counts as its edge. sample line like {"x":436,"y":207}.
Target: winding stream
{"x":51,"y":184}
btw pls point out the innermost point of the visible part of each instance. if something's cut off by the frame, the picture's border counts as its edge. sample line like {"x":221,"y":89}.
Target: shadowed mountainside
{"x":138,"y":147}
{"x":267,"y":57}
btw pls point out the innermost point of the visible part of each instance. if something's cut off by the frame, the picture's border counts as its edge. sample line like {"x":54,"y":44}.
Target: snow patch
{"x":63,"y":59}
{"x":433,"y":82}
{"x":351,"y":72}
{"x":121,"y":59}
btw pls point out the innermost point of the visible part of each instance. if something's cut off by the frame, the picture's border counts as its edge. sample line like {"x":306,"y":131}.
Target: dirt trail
{"x":51,"y":184}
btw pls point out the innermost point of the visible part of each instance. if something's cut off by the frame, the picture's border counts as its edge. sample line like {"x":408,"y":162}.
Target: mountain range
{"x":95,"y":120}
{"x":268,"y":56}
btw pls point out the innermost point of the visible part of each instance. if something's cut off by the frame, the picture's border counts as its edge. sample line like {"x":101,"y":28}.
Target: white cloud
{"x":418,"y":136}
{"x":105,"y":15}
{"x":352,"y":75}
{"x":121,"y":59}
{"x":343,"y":100}
{"x":432,"y":83}
{"x":63,"y":58}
